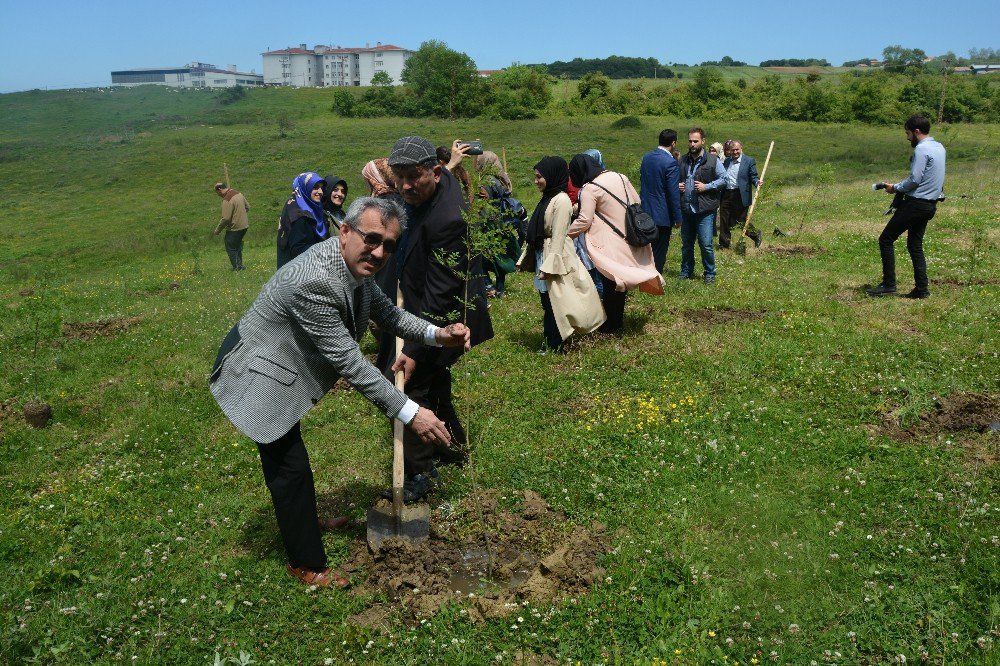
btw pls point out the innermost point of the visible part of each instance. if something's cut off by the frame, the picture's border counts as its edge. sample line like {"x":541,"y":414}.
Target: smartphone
{"x":475,"y":146}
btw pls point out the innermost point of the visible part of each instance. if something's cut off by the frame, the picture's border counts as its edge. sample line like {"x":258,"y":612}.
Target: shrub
{"x":626,"y":122}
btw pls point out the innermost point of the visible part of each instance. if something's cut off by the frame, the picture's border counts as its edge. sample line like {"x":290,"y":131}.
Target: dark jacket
{"x":296,"y":233}
{"x":709,"y":199}
{"x":431,"y":289}
{"x":658,"y":179}
{"x":746,"y":178}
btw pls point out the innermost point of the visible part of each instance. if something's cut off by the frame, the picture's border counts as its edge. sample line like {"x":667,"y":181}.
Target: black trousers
{"x":614,"y":306}
{"x":234,"y":248}
{"x":912,"y":217}
{"x":293,"y":493}
{"x":553,"y":340}
{"x":660,"y":247}
{"x":732,"y":213}
{"x":430,"y":387}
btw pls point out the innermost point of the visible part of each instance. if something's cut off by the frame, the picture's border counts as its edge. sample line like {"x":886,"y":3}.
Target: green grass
{"x":771,"y":515}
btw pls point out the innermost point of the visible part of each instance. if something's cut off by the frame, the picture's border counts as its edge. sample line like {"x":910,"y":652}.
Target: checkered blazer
{"x":298,"y":338}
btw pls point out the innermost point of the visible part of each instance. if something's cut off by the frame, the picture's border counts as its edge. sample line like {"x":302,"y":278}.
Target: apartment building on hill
{"x":194,"y":75}
{"x":325,"y":66}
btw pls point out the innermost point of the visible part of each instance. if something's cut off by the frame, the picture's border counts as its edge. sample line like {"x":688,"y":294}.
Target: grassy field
{"x":789,"y":472}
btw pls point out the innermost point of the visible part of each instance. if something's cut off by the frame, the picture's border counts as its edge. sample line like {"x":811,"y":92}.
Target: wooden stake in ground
{"x":225,"y":169}
{"x":503,"y":151}
{"x":756,"y":193}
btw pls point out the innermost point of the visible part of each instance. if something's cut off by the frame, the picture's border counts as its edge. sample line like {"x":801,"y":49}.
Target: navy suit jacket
{"x":658,"y":180}
{"x":746,"y":178}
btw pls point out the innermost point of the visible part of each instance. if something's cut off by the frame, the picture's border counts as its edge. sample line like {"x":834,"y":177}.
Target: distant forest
{"x":615,"y":67}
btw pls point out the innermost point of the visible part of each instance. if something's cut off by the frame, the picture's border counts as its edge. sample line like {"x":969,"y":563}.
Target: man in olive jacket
{"x":235,"y":221}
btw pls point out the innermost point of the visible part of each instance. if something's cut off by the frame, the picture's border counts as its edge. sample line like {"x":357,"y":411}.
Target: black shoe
{"x":917,"y":294}
{"x":757,"y":238}
{"x":415,"y":486}
{"x":881,"y":290}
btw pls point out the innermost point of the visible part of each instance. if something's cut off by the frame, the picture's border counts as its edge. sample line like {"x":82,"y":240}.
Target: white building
{"x":323,"y":66}
{"x":195,"y":75}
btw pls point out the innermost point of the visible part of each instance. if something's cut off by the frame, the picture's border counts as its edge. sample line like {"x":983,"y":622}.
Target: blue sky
{"x":68,"y":44}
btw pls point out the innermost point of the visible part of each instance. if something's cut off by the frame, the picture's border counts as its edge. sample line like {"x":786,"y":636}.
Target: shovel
{"x":741,"y":244}
{"x":409,"y":523}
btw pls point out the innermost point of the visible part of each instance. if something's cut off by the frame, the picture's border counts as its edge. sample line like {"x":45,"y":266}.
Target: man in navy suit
{"x":741,"y":178}
{"x":660,"y":196}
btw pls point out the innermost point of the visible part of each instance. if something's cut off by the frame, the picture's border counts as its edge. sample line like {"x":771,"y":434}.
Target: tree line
{"x":440,"y":82}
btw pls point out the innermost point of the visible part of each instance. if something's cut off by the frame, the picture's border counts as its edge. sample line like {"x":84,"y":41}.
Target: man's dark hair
{"x":697,"y":130}
{"x":667,"y":137}
{"x":918,"y":123}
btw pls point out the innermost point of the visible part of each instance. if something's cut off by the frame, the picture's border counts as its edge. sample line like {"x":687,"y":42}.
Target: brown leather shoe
{"x":324,"y":578}
{"x":335,"y":523}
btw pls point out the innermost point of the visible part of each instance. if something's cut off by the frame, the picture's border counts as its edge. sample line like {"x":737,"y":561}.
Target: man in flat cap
{"x":437,"y":277}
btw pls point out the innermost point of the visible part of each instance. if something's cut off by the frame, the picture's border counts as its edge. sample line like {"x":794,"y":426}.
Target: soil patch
{"x":796,"y":250}
{"x":489,"y":564}
{"x":723,"y":315}
{"x":86,"y":330}
{"x":956,"y":282}
{"x":37,"y":414}
{"x":975,"y":412}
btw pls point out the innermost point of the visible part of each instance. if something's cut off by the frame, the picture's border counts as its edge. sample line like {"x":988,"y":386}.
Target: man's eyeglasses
{"x":373,"y":240}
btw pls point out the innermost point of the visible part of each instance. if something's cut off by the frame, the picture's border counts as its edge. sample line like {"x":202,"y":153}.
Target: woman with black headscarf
{"x":569,"y":300}
{"x":302,"y":223}
{"x":603,"y":194}
{"x":334,"y":198}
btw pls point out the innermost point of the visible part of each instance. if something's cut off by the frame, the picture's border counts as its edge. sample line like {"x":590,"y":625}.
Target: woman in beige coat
{"x":569,"y":299}
{"x":622,"y":266}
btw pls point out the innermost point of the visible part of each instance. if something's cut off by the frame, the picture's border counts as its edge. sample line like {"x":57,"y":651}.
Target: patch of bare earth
{"x":976,"y":415}
{"x":796,"y":250}
{"x":723,"y":315}
{"x":486,"y":558}
{"x":87,"y":330}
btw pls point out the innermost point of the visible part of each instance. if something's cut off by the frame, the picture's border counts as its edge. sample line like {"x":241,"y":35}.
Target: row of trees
{"x":796,"y":62}
{"x":444,"y":83}
{"x":875,"y":97}
{"x":616,"y":67}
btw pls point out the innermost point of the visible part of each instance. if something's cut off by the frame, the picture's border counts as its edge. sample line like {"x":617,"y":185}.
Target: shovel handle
{"x":756,"y":191}
{"x":397,"y":438}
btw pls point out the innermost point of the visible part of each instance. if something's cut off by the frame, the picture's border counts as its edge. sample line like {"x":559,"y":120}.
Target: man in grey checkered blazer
{"x":300,"y":335}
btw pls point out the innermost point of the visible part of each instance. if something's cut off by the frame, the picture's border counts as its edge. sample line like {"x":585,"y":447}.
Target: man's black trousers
{"x":912,"y":217}
{"x":430,"y":387}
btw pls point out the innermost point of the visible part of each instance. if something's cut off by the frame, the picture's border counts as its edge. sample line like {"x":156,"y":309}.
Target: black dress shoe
{"x":415,"y":486}
{"x":881,"y":290}
{"x":917,"y":294}
{"x":757,"y":238}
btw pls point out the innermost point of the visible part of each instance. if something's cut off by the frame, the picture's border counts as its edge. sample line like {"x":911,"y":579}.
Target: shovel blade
{"x":413,"y":527}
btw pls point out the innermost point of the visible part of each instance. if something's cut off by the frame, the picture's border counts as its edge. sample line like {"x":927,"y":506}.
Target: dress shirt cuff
{"x":408,"y":412}
{"x":430,"y":336}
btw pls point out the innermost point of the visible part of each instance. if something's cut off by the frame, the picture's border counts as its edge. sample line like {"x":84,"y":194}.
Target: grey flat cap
{"x":412,"y":151}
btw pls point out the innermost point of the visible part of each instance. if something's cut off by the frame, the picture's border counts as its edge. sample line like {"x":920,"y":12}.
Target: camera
{"x":878,"y":186}
{"x":475,"y":147}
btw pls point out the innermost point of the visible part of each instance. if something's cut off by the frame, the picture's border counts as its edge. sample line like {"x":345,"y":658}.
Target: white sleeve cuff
{"x":408,"y":412}
{"x":430,"y":336}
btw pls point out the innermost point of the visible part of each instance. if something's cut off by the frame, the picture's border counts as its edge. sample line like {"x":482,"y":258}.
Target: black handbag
{"x":640,"y":230}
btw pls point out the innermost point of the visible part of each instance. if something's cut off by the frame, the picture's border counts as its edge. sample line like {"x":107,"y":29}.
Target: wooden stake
{"x":756,"y":192}
{"x":225,"y":168}
{"x":503,"y":150}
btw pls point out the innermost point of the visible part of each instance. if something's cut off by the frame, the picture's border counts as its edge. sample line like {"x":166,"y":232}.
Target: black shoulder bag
{"x":640,"y":230}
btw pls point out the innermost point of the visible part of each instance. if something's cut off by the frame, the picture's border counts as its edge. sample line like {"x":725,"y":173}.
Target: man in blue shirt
{"x":702,"y":180}
{"x":660,"y":194}
{"x":915,"y":204}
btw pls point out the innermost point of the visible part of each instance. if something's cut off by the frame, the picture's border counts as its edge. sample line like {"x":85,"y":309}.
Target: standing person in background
{"x":302,"y":223}
{"x":741,"y":179}
{"x":659,"y":178}
{"x":235,"y":222}
{"x":378,"y":178}
{"x":488,"y":162}
{"x":579,"y":243}
{"x":602,"y":220}
{"x":701,"y":181}
{"x":915,"y":204}
{"x":569,"y":299}
{"x":334,"y":197}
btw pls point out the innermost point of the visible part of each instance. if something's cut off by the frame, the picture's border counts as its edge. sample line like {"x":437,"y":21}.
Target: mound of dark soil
{"x":86,"y":330}
{"x":488,"y":558}
{"x":975,"y":412}
{"x":721,"y":315}
{"x":37,"y":414}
